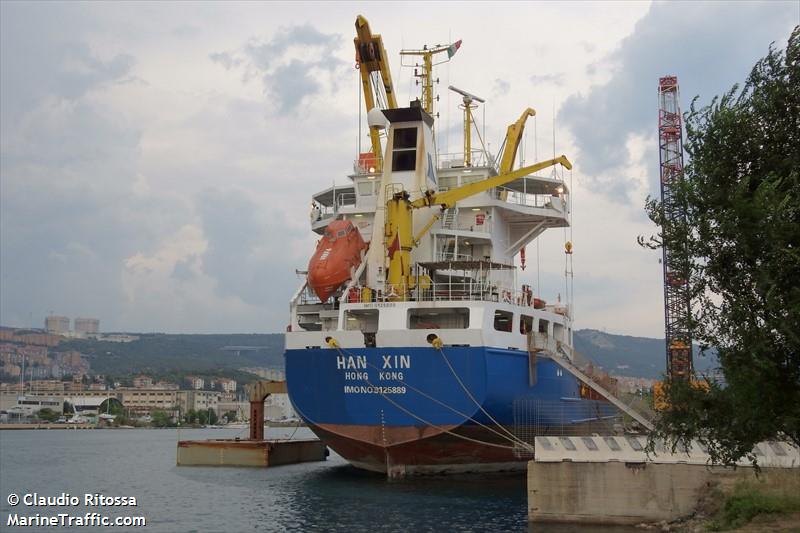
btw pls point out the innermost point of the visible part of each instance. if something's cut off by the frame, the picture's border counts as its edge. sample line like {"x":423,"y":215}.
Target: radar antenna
{"x":467,"y":106}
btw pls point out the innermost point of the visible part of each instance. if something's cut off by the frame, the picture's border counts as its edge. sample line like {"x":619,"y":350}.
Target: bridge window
{"x":543,"y":326}
{"x":525,"y":324}
{"x":439,"y":318}
{"x":365,"y":320}
{"x":404,"y":154}
{"x":366,"y":188}
{"x":503,"y":320}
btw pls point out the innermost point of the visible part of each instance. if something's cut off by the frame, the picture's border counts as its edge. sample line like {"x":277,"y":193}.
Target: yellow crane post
{"x":398,"y":235}
{"x":371,"y":57}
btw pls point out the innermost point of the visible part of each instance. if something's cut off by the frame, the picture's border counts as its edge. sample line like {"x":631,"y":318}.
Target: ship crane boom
{"x":371,"y":57}
{"x":513,"y":137}
{"x":399,"y":219}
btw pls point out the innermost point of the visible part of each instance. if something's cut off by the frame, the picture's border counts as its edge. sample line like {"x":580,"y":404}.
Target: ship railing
{"x":308,"y":296}
{"x":478,"y":158}
{"x":451,"y":256}
{"x":546,"y":201}
{"x":345,"y":199}
{"x":447,"y":291}
{"x":484,"y":227}
{"x":365,"y":167}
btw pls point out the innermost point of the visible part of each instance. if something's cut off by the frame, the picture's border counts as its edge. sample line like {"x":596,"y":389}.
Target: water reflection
{"x":327,"y":496}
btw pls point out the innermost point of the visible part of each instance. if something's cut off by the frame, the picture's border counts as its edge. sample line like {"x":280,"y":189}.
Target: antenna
{"x":467,"y":106}
{"x":466,"y":95}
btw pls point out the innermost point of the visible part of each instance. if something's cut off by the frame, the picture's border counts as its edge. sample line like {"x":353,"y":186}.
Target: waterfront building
{"x":114,"y":337}
{"x":195,"y":382}
{"x":57,"y":325}
{"x":30,"y":405}
{"x":278,"y":407}
{"x":141,"y":402}
{"x":241,"y":408}
{"x":142,"y":382}
{"x":84,"y":326}
{"x":165,"y":385}
{"x":198,"y":400}
{"x":225,"y":384}
{"x":271,"y":374}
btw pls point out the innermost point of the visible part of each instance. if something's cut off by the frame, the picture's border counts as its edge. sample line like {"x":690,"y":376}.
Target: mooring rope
{"x":426,"y":422}
{"x":426,"y":395}
{"x":511,"y":436}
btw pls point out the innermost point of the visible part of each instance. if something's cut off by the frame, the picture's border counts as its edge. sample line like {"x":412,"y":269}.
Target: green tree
{"x":740,"y":244}
{"x":160,"y":419}
{"x":48,"y":414}
{"x":111,"y":406}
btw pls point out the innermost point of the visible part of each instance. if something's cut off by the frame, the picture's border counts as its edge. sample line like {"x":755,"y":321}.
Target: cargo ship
{"x":411,"y":347}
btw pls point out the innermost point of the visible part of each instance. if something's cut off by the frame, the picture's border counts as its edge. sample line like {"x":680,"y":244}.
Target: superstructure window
{"x":404,"y":150}
{"x":365,"y":320}
{"x":439,"y":318}
{"x":405,"y":138}
{"x":525,"y":324}
{"x":366,"y":188}
{"x":503,"y":320}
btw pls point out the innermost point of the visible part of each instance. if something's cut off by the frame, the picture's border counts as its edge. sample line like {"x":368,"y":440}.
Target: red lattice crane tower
{"x":677,"y":300}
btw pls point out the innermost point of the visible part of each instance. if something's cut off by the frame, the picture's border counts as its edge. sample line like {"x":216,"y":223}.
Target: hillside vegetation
{"x":167,"y":354}
{"x":630,"y":356}
{"x":170,"y":356}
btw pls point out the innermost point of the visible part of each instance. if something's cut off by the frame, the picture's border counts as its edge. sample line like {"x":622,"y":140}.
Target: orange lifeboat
{"x":338,"y":252}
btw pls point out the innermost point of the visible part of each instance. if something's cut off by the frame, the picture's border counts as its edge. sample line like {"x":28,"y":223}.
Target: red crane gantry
{"x":677,"y":300}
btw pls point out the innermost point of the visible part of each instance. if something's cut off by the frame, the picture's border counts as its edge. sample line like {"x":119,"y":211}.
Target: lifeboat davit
{"x":338,"y":253}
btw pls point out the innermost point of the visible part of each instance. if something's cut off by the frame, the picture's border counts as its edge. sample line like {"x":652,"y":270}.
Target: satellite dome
{"x":376,"y":118}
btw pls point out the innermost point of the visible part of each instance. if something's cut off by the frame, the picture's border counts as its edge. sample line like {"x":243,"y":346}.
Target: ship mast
{"x":426,"y":74}
{"x":468,"y":121}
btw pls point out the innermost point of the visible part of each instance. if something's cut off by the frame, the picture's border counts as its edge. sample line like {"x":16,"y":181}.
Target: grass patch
{"x":751,"y":499}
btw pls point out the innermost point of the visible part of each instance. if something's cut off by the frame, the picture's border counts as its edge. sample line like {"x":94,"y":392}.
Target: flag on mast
{"x":453,"y":48}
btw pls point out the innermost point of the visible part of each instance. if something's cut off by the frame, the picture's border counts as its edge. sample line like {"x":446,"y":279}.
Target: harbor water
{"x":322,"y":496}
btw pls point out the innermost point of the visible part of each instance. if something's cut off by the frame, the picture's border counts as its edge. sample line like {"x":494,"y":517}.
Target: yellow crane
{"x":371,"y":57}
{"x":513,"y":137}
{"x":398,"y":237}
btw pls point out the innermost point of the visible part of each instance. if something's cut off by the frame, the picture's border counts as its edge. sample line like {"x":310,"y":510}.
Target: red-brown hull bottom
{"x":413,"y":450}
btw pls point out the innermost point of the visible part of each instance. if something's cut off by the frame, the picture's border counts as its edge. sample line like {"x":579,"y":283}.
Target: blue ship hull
{"x":418,"y":408}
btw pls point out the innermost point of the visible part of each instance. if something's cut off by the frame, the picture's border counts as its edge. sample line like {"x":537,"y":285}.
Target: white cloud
{"x":157,"y":160}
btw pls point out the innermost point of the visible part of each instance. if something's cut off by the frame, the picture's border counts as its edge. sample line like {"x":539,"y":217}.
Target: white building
{"x":57,"y":325}
{"x":278,"y":407}
{"x":86,"y":325}
{"x":195,"y":382}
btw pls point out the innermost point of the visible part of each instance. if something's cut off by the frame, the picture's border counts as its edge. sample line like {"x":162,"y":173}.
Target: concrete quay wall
{"x":625,"y":493}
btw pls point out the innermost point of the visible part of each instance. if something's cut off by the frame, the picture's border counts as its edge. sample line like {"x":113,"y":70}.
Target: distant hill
{"x":161,"y":354}
{"x":624,"y":355}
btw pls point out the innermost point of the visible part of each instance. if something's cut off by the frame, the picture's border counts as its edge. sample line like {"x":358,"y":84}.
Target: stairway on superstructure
{"x":546,"y":347}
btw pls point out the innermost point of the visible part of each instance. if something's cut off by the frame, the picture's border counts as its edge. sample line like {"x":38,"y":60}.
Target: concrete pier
{"x":254,"y":451}
{"x":231,"y":452}
{"x":610,"y":480}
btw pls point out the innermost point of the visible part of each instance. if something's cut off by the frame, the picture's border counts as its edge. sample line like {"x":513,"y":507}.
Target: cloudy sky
{"x":157,"y":158}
